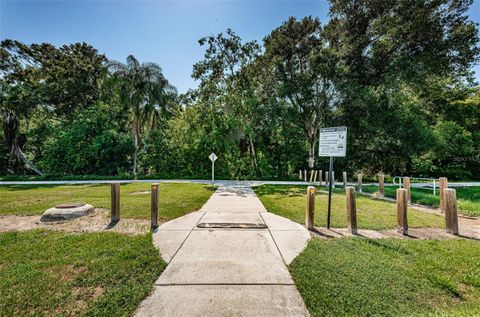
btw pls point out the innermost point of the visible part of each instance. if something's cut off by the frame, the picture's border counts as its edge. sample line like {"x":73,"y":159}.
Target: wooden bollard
{"x":305,"y":175}
{"x":315,"y":176}
{"x":320,"y":175}
{"x":381,"y":185}
{"x":351,"y":210}
{"x":360,"y":181}
{"x":310,"y":212}
{"x":300,"y":174}
{"x":326,"y":178}
{"x":451,"y":216}
{"x":115,"y":202}
{"x":345,"y":180}
{"x":402,"y":206}
{"x":311,"y":175}
{"x":406,"y":185}
{"x":443,"y":182}
{"x":333,"y":179}
{"x":154,"y":205}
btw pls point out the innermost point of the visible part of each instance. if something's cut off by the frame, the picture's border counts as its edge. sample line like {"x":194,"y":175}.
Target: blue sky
{"x":164,"y":32}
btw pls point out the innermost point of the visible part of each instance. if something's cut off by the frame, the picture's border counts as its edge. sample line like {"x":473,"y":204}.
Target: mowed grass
{"x":176,"y":199}
{"x":468,"y":198}
{"x":290,"y":202}
{"x":46,"y":273}
{"x":389,"y":277}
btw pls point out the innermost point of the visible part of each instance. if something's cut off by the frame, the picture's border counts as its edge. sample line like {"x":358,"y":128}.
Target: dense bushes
{"x":90,"y":144}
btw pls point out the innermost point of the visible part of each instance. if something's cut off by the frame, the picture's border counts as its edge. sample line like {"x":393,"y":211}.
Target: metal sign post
{"x":213,"y":158}
{"x":332,"y":143}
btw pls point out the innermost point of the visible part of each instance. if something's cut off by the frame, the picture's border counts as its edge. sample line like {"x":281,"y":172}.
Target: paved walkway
{"x":227,"y":272}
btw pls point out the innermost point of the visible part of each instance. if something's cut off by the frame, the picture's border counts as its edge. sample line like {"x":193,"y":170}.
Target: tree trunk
{"x":11,"y":132}
{"x":21,"y":156}
{"x":137,"y":135}
{"x":311,"y":151}
{"x":254,"y":153}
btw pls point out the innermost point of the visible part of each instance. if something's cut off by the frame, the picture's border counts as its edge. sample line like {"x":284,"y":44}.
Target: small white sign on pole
{"x":213,"y":158}
{"x":333,"y":142}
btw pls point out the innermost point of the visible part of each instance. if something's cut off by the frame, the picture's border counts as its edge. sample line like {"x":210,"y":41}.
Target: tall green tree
{"x":390,"y":52}
{"x":36,"y":77}
{"x":225,"y":85}
{"x":303,"y":68}
{"x":145,"y":91}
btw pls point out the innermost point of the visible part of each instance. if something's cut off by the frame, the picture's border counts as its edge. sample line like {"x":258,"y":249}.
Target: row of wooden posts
{"x":115,"y":204}
{"x":448,"y":205}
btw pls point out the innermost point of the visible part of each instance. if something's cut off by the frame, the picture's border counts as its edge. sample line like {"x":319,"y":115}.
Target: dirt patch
{"x":99,"y":220}
{"x":87,"y":293}
{"x":413,"y":233}
{"x":143,"y":192}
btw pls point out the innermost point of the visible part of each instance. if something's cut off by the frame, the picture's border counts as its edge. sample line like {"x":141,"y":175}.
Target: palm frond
{"x":132,"y":62}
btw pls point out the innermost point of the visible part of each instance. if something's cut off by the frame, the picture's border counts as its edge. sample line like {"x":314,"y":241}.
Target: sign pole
{"x":213,"y":174}
{"x":332,"y":143}
{"x":213,"y":158}
{"x":330,"y":182}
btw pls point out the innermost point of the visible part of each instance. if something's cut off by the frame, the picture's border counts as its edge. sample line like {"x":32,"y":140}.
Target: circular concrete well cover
{"x":69,"y":205}
{"x":66,"y":211}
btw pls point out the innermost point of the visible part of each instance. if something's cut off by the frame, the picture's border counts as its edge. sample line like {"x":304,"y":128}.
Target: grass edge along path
{"x":468,"y":198}
{"x":92,"y":274}
{"x":176,"y":199}
{"x":289,"y":201}
{"x":389,"y":277}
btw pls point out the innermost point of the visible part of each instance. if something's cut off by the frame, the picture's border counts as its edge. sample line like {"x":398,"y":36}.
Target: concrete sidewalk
{"x":227,"y":272}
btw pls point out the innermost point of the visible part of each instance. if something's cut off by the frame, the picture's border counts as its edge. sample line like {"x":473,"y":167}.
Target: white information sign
{"x":333,"y":142}
{"x":212,"y":157}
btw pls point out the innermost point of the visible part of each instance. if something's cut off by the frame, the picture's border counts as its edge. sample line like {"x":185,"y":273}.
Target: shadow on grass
{"x":44,"y":186}
{"x":284,"y":190}
{"x":293,"y":190}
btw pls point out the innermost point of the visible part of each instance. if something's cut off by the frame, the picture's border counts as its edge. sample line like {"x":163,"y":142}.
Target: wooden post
{"x":443,"y":182}
{"x":320,"y":177}
{"x":360,"y":181}
{"x":333,"y":179}
{"x":315,"y":176}
{"x":154,"y":205}
{"x":402,"y":205}
{"x":311,"y":175}
{"x":351,"y":210}
{"x":381,"y":185}
{"x":305,"y":174}
{"x":451,"y":217}
{"x":310,"y":212}
{"x":326,"y":178}
{"x":300,"y":174}
{"x":345,"y":180}
{"x":115,"y":202}
{"x":406,"y":185}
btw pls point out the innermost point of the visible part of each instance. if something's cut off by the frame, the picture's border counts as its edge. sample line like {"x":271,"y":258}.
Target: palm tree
{"x":144,"y":90}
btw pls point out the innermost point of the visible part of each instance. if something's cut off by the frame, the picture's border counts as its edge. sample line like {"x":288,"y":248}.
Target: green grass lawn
{"x":176,"y":199}
{"x":96,"y":274}
{"x":468,"y":198}
{"x":389,"y":277}
{"x":290,"y":202}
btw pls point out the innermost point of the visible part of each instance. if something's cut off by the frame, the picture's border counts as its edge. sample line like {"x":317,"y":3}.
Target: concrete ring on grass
{"x":66,"y":211}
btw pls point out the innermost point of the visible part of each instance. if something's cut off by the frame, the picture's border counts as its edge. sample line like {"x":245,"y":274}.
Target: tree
{"x":226,"y":86}
{"x":390,"y":50}
{"x":145,"y":91}
{"x":303,"y":67}
{"x":41,"y":76}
